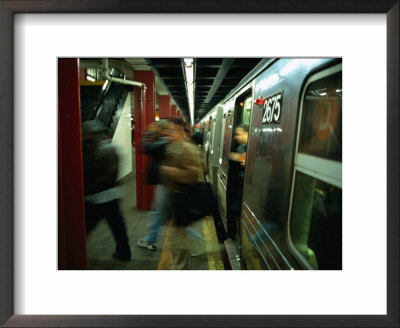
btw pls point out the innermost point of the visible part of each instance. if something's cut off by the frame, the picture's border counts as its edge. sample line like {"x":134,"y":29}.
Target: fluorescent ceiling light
{"x":189,"y":72}
{"x":188,"y":61}
{"x":190,"y":89}
{"x":188,"y":64}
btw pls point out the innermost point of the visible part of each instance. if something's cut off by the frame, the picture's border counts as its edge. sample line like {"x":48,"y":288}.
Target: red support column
{"x":145,"y":112}
{"x":71,"y":212}
{"x":82,"y":74}
{"x":164,"y":106}
{"x":173,"y":111}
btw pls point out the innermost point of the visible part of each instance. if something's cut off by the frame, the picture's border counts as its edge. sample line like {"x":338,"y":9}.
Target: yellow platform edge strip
{"x":211,"y":243}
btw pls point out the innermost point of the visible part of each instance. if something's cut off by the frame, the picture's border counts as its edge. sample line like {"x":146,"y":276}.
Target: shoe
{"x":143,"y":243}
{"x":122,"y":257}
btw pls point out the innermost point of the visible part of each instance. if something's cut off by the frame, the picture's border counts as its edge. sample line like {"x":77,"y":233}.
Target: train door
{"x":236,"y":170}
{"x":208,"y":145}
{"x":207,"y":138}
{"x":223,"y":162}
{"x":215,"y":146}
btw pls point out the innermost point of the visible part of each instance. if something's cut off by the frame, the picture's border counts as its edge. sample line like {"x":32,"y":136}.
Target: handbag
{"x":192,"y":203}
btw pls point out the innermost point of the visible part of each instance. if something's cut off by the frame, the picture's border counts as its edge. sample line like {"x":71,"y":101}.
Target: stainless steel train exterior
{"x":291,"y":214}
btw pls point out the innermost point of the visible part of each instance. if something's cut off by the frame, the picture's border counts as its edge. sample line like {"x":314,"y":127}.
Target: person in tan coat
{"x":181,"y":166}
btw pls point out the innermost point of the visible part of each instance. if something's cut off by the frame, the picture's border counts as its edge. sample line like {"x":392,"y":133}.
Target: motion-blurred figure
{"x":154,"y":144}
{"x":102,"y":192}
{"x":197,"y":136}
{"x":236,"y":179}
{"x":182,"y":166}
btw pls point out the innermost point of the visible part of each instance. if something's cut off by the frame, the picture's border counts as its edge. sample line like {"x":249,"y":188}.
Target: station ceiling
{"x":214,"y":78}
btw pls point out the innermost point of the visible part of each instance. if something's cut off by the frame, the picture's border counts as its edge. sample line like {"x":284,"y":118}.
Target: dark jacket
{"x":100,"y":166}
{"x":197,"y":137}
{"x":154,"y":147}
{"x":235,"y":183}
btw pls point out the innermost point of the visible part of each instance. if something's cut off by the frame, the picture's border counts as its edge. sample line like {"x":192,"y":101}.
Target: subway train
{"x":291,"y":208}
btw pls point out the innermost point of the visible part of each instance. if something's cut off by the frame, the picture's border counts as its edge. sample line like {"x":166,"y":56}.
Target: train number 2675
{"x":272,"y":109}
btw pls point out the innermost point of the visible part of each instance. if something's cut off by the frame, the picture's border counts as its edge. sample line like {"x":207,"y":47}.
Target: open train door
{"x":230,"y":174}
{"x":215,"y":146}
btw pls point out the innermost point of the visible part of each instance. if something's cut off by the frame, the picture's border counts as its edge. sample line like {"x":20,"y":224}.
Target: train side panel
{"x":269,"y":167}
{"x":291,"y":211}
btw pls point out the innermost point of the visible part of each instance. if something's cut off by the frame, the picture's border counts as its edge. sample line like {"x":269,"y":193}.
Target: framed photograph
{"x":35,"y":294}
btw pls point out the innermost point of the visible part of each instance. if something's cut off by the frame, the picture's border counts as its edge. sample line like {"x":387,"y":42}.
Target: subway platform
{"x":208,"y":254}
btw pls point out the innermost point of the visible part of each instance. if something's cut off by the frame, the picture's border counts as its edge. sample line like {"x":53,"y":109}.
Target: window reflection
{"x":322,"y":123}
{"x":316,"y":222}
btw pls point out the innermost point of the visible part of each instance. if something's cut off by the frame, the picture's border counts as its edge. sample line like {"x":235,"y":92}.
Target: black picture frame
{"x":11,"y":7}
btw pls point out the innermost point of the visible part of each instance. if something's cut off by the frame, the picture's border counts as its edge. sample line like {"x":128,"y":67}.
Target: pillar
{"x":145,"y":112}
{"x":164,"y":106}
{"x":174,"y":112}
{"x":71,"y":211}
{"x":82,"y":74}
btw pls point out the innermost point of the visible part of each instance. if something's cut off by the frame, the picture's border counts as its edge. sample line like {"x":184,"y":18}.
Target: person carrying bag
{"x":182,"y":173}
{"x":192,"y":202}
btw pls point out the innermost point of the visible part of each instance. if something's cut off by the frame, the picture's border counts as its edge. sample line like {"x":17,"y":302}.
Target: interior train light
{"x":241,"y":104}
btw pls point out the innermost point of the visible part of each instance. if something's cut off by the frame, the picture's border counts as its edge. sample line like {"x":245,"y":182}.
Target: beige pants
{"x":181,"y":248}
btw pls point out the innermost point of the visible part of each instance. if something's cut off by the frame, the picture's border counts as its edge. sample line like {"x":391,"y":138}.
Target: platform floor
{"x":208,"y":254}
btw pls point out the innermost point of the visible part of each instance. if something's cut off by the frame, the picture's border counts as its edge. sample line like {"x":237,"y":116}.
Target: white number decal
{"x":277,"y":107}
{"x":272,"y":109}
{"x":269,"y":110}
{"x":264,"y":120}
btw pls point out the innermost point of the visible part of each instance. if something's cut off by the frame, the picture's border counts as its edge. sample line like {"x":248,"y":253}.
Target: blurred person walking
{"x":181,"y":167}
{"x":102,"y":191}
{"x":154,"y":143}
{"x":197,"y":136}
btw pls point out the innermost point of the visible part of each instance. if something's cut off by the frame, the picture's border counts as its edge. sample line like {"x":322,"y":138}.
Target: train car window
{"x":322,"y":115}
{"x":227,"y":142}
{"x":242,"y":115}
{"x":247,"y":111}
{"x":315,"y":222}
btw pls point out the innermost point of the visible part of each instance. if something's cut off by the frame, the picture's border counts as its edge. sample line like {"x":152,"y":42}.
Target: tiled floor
{"x":101,"y":245}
